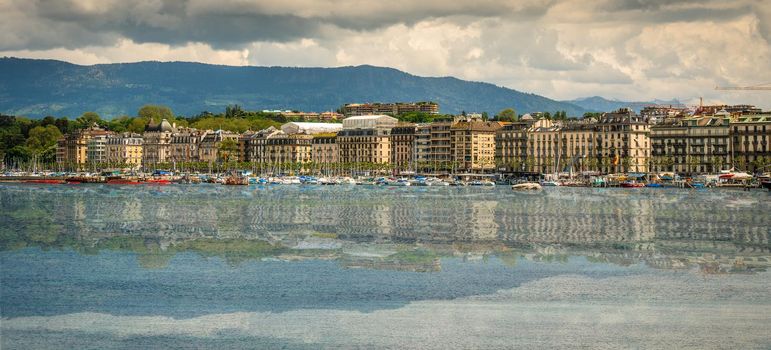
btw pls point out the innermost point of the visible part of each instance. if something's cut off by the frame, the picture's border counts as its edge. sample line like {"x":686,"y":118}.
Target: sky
{"x":631,"y":50}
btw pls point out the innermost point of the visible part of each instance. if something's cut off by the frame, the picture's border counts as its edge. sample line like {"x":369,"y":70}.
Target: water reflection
{"x":395,"y":228}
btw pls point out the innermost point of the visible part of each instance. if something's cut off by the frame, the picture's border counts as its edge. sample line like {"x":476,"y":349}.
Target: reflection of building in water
{"x":565,"y":220}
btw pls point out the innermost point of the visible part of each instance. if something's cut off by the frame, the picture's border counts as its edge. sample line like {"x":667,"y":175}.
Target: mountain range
{"x":47,"y":87}
{"x":601,"y":104}
{"x":37,"y":88}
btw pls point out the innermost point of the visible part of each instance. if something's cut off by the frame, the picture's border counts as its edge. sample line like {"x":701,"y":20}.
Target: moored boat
{"x":527,"y":186}
{"x":45,"y":181}
{"x":632,"y":184}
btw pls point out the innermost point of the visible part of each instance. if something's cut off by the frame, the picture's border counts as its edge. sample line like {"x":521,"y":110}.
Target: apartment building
{"x":356,"y":109}
{"x":692,"y":145}
{"x":473,"y":145}
{"x":185,"y":144}
{"x":403,"y":146}
{"x":125,"y":148}
{"x":366,"y":139}
{"x":750,"y":136}
{"x":72,"y":149}
{"x":211,"y":148}
{"x":156,"y":141}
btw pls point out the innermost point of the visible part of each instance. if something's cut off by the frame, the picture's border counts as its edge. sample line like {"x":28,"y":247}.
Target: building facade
{"x":750,"y":136}
{"x":72,"y":149}
{"x":218,"y":146}
{"x":185,"y":143}
{"x":125,"y":148}
{"x":403,"y":147}
{"x":473,"y":145}
{"x":156,"y":141}
{"x":366,"y":139}
{"x":355,"y":109}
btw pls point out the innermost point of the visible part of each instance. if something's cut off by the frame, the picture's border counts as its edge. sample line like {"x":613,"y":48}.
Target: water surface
{"x":98,"y":266}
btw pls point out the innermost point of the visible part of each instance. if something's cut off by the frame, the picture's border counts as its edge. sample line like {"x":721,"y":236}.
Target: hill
{"x":600,"y":104}
{"x":37,"y":88}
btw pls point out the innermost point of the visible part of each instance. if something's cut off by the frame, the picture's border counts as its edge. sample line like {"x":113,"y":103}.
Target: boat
{"x":236,"y":180}
{"x":549,"y":183}
{"x":653,"y":184}
{"x":527,"y":186}
{"x":398,"y":182}
{"x":157,"y":182}
{"x":123,"y":182}
{"x":85,"y":179}
{"x":632,"y":184}
{"x":45,"y":181}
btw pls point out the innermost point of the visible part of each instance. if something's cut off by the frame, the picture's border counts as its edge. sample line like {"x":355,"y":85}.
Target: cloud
{"x":629,"y":49}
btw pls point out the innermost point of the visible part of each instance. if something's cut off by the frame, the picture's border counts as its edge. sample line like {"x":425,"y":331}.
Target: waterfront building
{"x":72,"y":149}
{"x":280,"y":147}
{"x":511,"y":145}
{"x":578,"y":146}
{"x":185,"y":143}
{"x":212,"y":149}
{"x":422,"y":143}
{"x":440,"y":153}
{"x":157,"y":143}
{"x":692,"y":145}
{"x":366,"y":139}
{"x":244,"y":151}
{"x":403,"y":146}
{"x":473,"y":144}
{"x":125,"y":148}
{"x":623,"y":142}
{"x":96,"y":149}
{"x":751,"y":135}
{"x":324,"y":148}
{"x":617,"y":142}
{"x":255,"y":147}
{"x":355,"y":109}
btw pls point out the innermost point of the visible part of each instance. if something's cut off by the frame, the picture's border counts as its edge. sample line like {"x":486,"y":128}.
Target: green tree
{"x":507,"y":115}
{"x":155,"y":112}
{"x":88,"y":119}
{"x":42,"y":138}
{"x":227,"y":149}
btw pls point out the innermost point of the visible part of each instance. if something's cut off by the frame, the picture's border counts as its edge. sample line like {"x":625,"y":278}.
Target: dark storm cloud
{"x":44,"y":24}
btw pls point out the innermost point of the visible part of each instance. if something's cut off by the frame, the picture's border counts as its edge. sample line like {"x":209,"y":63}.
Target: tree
{"x":693,"y":164}
{"x":42,"y":138}
{"x":717,"y":163}
{"x":155,"y":112}
{"x":626,"y":162}
{"x":507,"y":115}
{"x":233,"y":111}
{"x":227,"y":148}
{"x":137,"y":125}
{"x":87,"y":120}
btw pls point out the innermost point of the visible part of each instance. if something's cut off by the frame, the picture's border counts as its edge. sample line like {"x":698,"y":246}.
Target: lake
{"x":296,"y":267}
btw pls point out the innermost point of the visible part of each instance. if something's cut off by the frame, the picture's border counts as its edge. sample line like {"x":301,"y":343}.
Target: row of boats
{"x":345,"y":180}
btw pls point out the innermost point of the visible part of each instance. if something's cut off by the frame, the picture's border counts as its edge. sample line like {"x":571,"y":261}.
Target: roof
{"x":163,"y":126}
{"x":310,"y":128}
{"x":368,"y":117}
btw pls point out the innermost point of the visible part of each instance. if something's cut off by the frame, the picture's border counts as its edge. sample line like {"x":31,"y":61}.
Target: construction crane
{"x":765,"y":86}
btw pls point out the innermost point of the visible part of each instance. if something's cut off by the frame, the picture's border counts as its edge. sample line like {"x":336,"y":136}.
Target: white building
{"x":370,"y":122}
{"x":310,"y":128}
